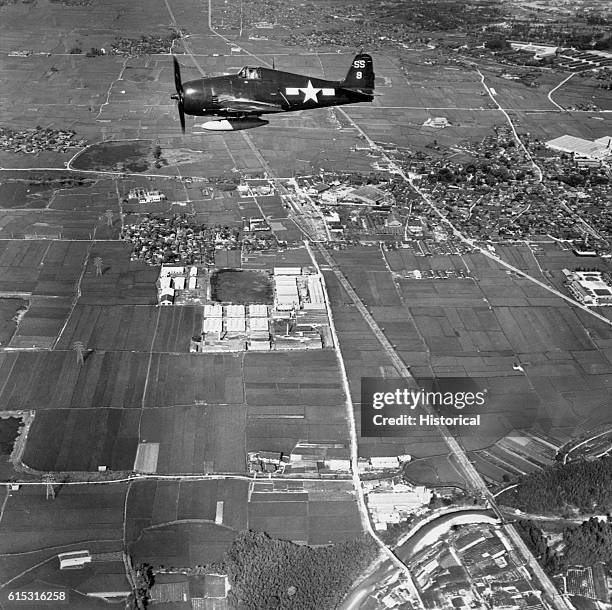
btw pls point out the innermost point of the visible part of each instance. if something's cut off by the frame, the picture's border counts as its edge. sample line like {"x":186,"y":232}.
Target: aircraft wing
{"x":245,"y":106}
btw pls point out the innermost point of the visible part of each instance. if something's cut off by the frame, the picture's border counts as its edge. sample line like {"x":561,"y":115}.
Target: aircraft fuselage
{"x":283,"y":91}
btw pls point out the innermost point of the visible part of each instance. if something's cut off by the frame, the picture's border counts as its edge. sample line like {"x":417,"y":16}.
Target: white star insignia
{"x":310,"y":93}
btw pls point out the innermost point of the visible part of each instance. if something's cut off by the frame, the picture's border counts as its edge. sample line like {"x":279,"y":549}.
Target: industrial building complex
{"x":295,"y":318}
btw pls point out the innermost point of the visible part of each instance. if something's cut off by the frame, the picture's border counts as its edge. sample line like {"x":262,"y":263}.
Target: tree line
{"x":584,"y":545}
{"x":582,"y":485}
{"x":269,"y":573}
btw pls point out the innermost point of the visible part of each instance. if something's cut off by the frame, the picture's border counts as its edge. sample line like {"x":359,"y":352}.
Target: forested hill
{"x":269,"y":573}
{"x":582,"y":485}
{"x":583,"y":545}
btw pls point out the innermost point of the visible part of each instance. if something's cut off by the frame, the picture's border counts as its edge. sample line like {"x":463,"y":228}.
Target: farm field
{"x":122,"y":282}
{"x":292,"y":397}
{"x":434,"y":471}
{"x":76,"y":583}
{"x":42,"y":322}
{"x":479,"y":329}
{"x":78,"y":514}
{"x":313,"y":513}
{"x":54,"y":380}
{"x":173,"y":523}
{"x":242,"y":287}
{"x":9,"y":309}
{"x":197,"y":439}
{"x":82,"y":440}
{"x":161,"y":502}
{"x":582,"y":87}
{"x":39,"y":267}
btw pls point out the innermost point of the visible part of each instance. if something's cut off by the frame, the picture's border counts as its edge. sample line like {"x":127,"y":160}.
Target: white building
{"x":74,"y":560}
{"x":167,"y":270}
{"x":258,"y":324}
{"x":286,"y":291}
{"x":165,"y":281}
{"x":213,"y":310}
{"x":589,"y":149}
{"x":258,"y":311}
{"x":178,"y":283}
{"x":589,"y":287}
{"x":384,"y":462}
{"x":167,"y":296}
{"x":212,"y":325}
{"x":339,"y":465}
{"x":315,"y":293}
{"x":144,"y":196}
{"x":395,"y":505}
{"x":235,"y":325}
{"x":438,"y":122}
{"x":234,"y":311}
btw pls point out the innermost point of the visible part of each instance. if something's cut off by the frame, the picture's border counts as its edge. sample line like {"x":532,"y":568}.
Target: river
{"x":359,"y":597}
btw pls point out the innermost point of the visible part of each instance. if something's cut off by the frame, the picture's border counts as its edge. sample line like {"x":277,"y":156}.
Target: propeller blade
{"x":179,"y":96}
{"x":181,"y":115}
{"x":177,"y":77}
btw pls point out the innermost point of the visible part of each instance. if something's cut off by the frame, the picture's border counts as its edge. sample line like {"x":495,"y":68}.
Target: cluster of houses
{"x":38,"y":139}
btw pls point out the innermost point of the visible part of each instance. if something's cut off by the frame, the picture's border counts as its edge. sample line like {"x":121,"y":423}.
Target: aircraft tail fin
{"x":360,"y":76}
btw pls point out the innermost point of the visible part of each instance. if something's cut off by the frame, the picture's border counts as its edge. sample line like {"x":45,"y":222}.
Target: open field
{"x":54,"y":380}
{"x":197,"y":439}
{"x":313,"y":513}
{"x":43,"y":268}
{"x":208,"y":420}
{"x":434,"y":471}
{"x":79,"y":439}
{"x":540,"y":125}
{"x":92,"y":578}
{"x":8,"y":312}
{"x":76,"y":515}
{"x":479,"y":329}
{"x":241,"y":287}
{"x":122,"y":282}
{"x":182,"y":544}
{"x":173,"y":523}
{"x":583,"y":88}
{"x":292,"y":397}
{"x":116,"y":328}
{"x":189,"y":379}
{"x":42,"y":322}
{"x":153,"y":503}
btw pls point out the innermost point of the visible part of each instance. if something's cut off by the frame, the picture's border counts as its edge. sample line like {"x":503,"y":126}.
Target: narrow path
{"x":77,"y":294}
{"x":146,"y":383}
{"x":557,"y":87}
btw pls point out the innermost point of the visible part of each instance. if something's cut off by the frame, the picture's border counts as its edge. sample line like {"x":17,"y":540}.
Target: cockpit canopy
{"x":250,"y":73}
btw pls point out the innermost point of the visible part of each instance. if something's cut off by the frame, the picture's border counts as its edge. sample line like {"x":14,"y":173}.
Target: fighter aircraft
{"x":239,"y":100}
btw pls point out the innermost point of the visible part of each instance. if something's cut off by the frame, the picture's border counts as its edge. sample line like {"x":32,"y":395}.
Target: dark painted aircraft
{"x":239,"y":100}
